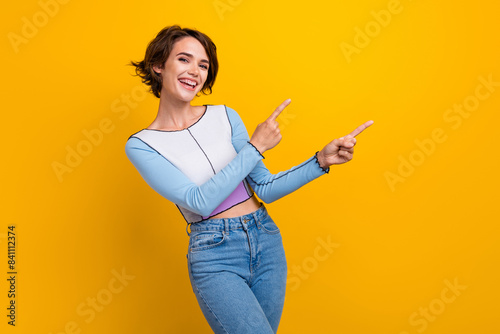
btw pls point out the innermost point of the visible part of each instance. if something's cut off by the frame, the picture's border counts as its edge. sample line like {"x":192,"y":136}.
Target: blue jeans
{"x":237,"y":268}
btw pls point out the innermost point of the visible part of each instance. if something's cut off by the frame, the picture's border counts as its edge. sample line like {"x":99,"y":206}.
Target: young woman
{"x":202,"y":159}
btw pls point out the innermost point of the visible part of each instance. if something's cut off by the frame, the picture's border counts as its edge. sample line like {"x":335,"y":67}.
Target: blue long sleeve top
{"x":211,"y":166}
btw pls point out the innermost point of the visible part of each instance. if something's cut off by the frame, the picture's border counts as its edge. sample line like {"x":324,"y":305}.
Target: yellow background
{"x":400,"y":234}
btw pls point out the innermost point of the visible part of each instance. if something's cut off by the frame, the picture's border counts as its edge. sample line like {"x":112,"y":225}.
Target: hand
{"x":267,"y":134}
{"x":340,"y":150}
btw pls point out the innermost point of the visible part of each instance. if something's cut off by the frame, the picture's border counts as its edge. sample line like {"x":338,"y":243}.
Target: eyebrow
{"x":191,"y":56}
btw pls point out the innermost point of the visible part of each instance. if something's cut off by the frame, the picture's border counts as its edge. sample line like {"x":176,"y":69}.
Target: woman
{"x":202,"y":159}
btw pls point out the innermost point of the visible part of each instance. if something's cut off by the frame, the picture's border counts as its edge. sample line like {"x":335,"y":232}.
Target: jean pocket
{"x":269,"y":226}
{"x":206,"y":240}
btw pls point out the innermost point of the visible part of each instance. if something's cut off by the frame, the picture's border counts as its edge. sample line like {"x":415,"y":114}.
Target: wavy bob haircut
{"x":159,"y":49}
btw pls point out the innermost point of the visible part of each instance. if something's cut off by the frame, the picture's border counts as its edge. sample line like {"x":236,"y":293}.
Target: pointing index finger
{"x":360,"y":128}
{"x":278,"y":110}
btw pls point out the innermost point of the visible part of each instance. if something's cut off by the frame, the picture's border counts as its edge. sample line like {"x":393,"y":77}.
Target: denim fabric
{"x":237,"y":268}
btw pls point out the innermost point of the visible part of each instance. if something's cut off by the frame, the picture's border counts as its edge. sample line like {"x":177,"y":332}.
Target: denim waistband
{"x":227,"y":224}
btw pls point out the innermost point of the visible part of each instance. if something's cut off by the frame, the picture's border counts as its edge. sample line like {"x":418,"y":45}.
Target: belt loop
{"x":187,"y":227}
{"x":226,"y":226}
{"x":255,"y":217}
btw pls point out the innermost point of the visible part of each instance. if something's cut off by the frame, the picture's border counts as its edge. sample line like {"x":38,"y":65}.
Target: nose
{"x":193,"y":69}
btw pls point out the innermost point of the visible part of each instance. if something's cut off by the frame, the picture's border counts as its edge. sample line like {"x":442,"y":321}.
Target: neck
{"x":173,"y":114}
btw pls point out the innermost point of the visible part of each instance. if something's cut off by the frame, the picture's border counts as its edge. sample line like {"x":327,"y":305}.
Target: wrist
{"x":321,"y":160}
{"x":258,"y":149}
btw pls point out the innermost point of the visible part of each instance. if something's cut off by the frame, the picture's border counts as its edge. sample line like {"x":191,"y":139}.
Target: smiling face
{"x":185,"y":70}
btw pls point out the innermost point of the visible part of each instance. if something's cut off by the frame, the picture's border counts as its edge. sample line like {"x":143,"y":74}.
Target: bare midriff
{"x":250,"y":205}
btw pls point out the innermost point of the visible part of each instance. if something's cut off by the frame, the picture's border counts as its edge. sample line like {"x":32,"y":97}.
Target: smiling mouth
{"x":188,"y":84}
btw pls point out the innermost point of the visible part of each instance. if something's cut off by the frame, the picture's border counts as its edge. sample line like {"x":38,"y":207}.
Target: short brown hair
{"x":159,"y":49}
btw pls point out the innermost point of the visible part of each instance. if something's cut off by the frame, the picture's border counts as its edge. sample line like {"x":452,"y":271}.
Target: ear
{"x":157,"y":69}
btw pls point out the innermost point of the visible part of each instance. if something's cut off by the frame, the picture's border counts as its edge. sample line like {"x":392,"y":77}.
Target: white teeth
{"x":189,"y":82}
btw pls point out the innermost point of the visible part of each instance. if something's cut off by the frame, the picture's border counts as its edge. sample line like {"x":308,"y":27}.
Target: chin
{"x":185,"y":96}
{"x":193,"y":96}
{"x":189,"y":98}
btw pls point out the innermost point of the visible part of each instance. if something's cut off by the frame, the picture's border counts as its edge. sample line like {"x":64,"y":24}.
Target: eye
{"x":205,"y":67}
{"x":183,"y":60}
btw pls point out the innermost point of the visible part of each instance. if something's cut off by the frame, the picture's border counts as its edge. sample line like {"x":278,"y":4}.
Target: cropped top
{"x":211,"y":166}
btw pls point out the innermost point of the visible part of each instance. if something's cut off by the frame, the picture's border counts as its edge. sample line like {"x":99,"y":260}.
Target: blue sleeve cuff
{"x":256,"y":149}
{"x":327,"y":169}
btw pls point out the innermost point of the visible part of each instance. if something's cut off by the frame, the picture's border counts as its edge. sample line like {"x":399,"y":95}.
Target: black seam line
{"x":290,"y":171}
{"x":132,"y":135}
{"x":230,"y":125}
{"x":199,"y":119}
{"x":161,"y":155}
{"x":202,"y":151}
{"x":178,"y":207}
